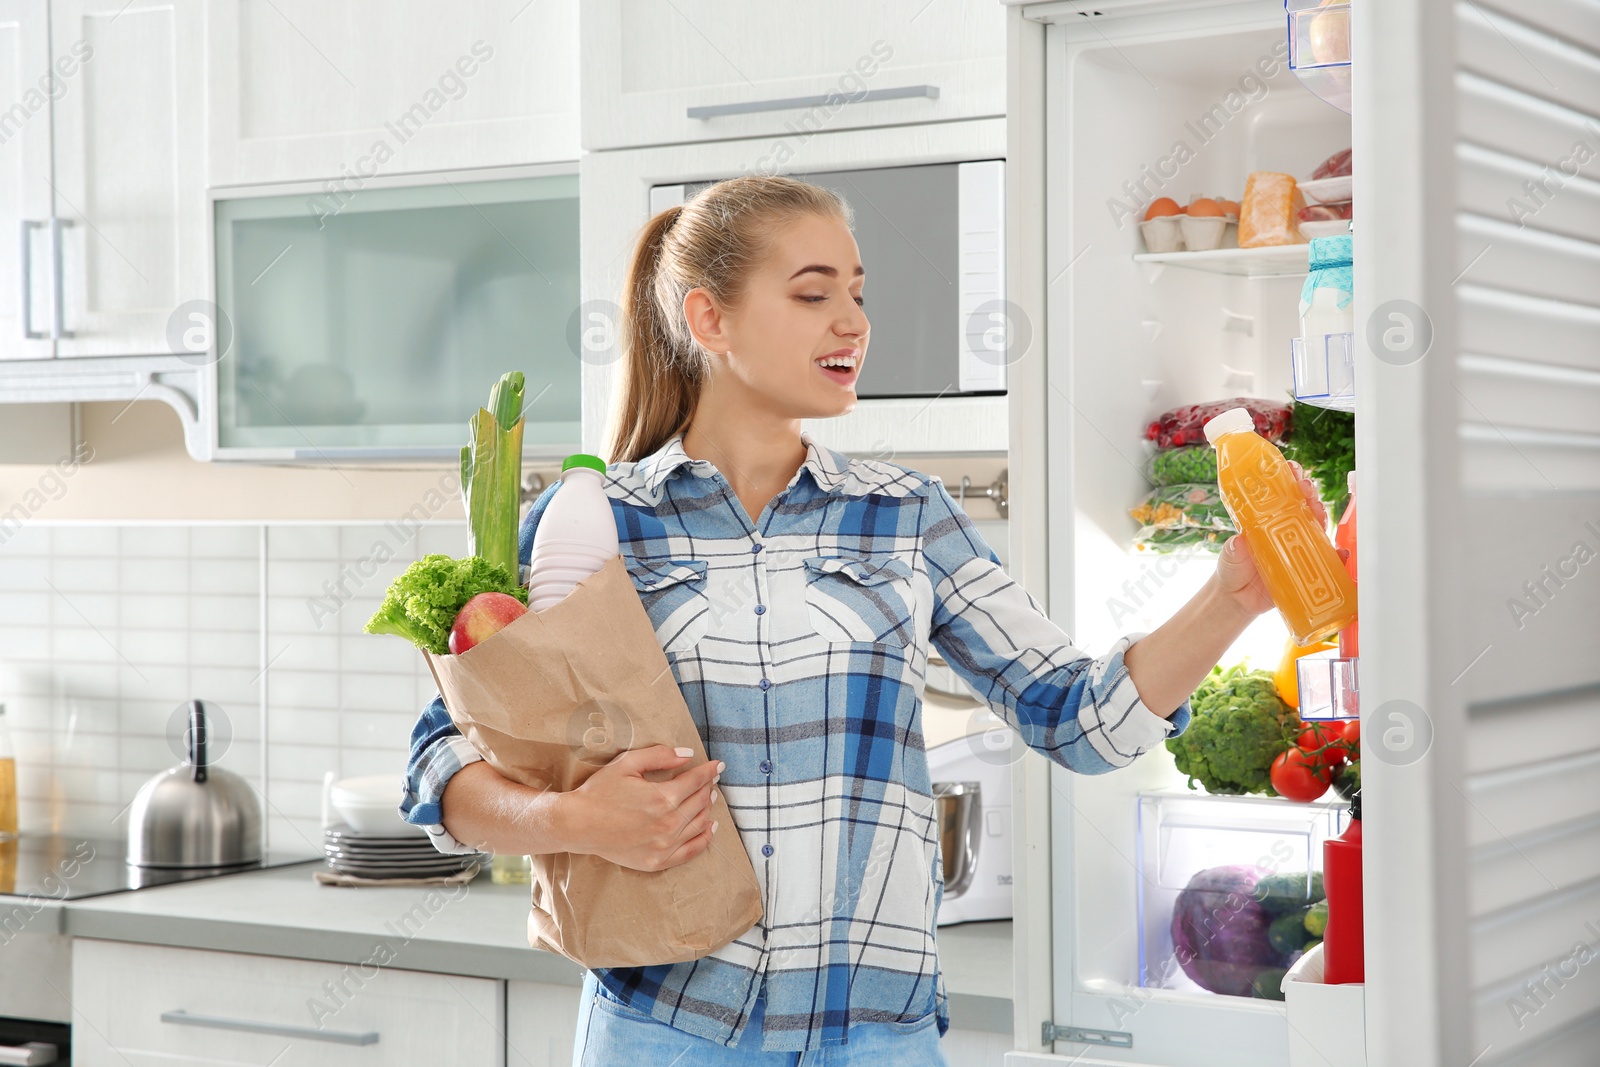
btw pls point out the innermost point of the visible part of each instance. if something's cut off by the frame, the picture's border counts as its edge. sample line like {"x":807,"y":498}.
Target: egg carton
{"x":1184,"y":232}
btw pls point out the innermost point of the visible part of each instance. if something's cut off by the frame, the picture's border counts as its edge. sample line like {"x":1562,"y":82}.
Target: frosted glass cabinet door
{"x":374,"y":323}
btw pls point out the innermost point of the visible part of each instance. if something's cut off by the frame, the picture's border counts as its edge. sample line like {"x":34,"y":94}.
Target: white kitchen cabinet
{"x":541,"y":1024}
{"x":1477,"y":432}
{"x":614,"y":203}
{"x":785,"y":71}
{"x":149,"y":1004}
{"x":129,"y":172}
{"x":26,"y":82}
{"x":305,"y":90}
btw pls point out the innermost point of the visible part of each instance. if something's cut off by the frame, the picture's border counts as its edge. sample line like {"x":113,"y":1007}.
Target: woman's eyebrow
{"x":822,"y":268}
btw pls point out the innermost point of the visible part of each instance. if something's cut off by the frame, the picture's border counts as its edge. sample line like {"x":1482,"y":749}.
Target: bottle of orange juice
{"x":1302,"y":572}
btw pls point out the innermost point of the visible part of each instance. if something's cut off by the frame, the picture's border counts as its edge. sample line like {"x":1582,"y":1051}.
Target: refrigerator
{"x":1476,"y":354}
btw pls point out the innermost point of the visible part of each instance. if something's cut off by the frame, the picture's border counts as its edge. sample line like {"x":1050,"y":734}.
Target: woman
{"x":800,"y":641}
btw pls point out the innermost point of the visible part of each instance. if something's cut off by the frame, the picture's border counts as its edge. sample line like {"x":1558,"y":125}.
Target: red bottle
{"x":1343,"y":957}
{"x":1344,"y":536}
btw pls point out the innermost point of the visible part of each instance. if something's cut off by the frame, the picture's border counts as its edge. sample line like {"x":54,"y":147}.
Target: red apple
{"x":481,"y":618}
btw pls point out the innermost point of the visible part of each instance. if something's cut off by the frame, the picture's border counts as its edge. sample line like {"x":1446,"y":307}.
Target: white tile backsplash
{"x":106,"y":632}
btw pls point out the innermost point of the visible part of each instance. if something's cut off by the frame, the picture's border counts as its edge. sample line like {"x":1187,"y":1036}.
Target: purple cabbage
{"x":1219,"y":930}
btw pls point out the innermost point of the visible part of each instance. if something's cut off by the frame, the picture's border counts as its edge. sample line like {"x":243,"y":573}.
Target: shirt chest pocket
{"x":860,"y":600}
{"x":673,"y":592}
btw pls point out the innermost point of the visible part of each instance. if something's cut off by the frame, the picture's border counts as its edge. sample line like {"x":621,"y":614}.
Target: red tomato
{"x":1352,"y":739}
{"x":1321,"y":741}
{"x":1296,"y":776}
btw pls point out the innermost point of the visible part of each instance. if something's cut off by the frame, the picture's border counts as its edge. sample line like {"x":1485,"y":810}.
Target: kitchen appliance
{"x":195,"y":814}
{"x":368,"y":320}
{"x":972,"y":787}
{"x":932,"y":241}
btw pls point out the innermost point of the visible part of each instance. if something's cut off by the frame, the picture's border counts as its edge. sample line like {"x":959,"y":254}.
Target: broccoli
{"x":422,"y":603}
{"x":1240,"y":726}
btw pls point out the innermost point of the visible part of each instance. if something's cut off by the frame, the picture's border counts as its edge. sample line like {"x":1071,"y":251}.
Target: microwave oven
{"x":368,"y":319}
{"x":932,"y":240}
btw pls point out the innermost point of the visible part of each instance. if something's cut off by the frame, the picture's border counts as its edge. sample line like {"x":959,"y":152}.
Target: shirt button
{"x":755,"y":548}
{"x":761,"y":609}
{"x":766,"y":683}
{"x":766,"y":766}
{"x":766,"y":850}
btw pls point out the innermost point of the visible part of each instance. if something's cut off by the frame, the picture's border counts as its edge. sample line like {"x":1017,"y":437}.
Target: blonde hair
{"x":713,"y":242}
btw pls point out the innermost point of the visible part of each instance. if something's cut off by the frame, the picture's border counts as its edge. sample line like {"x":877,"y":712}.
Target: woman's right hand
{"x":619,"y":815}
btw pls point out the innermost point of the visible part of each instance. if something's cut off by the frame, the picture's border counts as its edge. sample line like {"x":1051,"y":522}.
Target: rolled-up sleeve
{"x":1081,"y":712}
{"x":438,"y":751}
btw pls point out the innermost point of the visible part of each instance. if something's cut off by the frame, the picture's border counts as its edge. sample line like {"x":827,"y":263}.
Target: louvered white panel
{"x":1527,"y":360}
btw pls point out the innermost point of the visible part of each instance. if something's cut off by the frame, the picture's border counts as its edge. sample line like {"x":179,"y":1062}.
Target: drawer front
{"x":145,"y":1004}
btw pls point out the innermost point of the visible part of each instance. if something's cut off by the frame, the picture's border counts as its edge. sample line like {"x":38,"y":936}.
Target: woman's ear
{"x":705,"y":321}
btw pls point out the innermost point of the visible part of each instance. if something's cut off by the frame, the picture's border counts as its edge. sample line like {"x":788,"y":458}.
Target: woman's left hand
{"x":1237,"y":574}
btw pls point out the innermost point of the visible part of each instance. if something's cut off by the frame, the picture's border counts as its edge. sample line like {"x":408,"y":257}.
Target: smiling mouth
{"x":842,"y":369}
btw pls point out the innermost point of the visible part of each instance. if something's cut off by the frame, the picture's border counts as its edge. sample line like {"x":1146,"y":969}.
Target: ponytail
{"x":660,"y":383}
{"x":714,"y":241}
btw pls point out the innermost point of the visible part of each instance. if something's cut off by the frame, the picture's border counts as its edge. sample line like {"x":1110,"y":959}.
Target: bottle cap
{"x":582,"y":460}
{"x":1234,"y":420}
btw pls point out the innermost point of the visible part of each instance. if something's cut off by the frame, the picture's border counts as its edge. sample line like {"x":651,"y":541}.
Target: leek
{"x":491,"y":475}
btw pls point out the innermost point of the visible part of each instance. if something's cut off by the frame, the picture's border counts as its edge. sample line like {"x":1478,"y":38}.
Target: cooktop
{"x":64,"y":867}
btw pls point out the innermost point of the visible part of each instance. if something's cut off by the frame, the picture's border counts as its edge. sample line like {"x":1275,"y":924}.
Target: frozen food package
{"x":1185,"y":426}
{"x":1267,"y":214}
{"x":1180,"y":539}
{"x":1171,"y":507}
{"x":1172,"y":466}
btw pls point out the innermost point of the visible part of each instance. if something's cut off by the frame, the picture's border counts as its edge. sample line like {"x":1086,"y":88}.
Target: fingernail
{"x":713,"y":796}
{"x":721,"y":767}
{"x":684,"y":751}
{"x":713,"y":826}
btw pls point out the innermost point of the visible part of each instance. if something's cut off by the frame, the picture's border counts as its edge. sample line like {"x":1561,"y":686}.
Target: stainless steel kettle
{"x":195,"y":815}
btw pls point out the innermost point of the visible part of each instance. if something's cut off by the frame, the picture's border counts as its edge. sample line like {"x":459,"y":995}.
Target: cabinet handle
{"x":217,"y":1022}
{"x":28,"y":226}
{"x":900,"y":92}
{"x":58,"y":328}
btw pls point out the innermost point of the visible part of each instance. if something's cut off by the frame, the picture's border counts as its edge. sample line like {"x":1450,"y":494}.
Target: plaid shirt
{"x":801,"y":646}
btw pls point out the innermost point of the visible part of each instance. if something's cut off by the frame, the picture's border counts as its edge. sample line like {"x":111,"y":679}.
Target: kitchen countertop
{"x":283,"y":912}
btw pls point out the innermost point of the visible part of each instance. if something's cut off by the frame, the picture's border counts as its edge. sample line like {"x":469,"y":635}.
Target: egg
{"x":1228,"y":207}
{"x":1204,"y":207}
{"x":1162,"y":208}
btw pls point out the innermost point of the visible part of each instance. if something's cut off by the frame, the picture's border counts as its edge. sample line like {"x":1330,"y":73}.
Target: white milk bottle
{"x":576,"y":535}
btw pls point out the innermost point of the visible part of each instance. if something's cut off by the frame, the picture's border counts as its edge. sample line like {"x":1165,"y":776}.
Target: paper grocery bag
{"x":551,"y":699}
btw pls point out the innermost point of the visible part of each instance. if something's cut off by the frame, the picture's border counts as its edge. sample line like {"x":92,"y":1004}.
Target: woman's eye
{"x":813,"y":299}
{"x":861,"y":301}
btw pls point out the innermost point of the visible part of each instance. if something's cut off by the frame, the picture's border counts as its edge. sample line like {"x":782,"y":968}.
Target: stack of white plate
{"x":391,"y":855}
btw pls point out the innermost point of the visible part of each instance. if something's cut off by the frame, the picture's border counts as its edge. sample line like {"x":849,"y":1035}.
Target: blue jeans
{"x":611,"y":1034}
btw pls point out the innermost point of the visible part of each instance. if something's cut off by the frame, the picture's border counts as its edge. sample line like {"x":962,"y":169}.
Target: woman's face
{"x":802,"y":310}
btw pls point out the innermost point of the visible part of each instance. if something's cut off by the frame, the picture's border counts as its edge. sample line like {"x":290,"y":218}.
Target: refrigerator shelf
{"x":1277,"y":261}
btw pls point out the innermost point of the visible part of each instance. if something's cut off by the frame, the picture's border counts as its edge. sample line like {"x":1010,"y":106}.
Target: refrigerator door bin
{"x":1327,"y":1023}
{"x":1319,"y":48}
{"x":1325,"y":370}
{"x":1330,"y":688}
